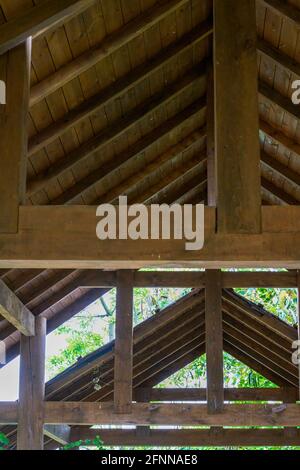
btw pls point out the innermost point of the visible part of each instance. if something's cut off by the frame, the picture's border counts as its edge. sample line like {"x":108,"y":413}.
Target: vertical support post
{"x":236,"y":117}
{"x":214,"y":341}
{"x":124,"y":343}
{"x":15,"y":75}
{"x":210,"y":140}
{"x":32,"y":389}
{"x":298,"y":279}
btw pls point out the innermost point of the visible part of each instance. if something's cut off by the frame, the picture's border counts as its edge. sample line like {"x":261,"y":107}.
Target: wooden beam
{"x":278,"y":136}
{"x":278,"y":99}
{"x":118,"y":88}
{"x":123,"y":343}
{"x":237,"y":129}
{"x":38,"y":20}
{"x":191,"y":437}
{"x":32,"y":389}
{"x":277,"y":57}
{"x":15,"y":72}
{"x":284,"y":9}
{"x":280,"y":193}
{"x":200,"y":394}
{"x":214,"y":341}
{"x":8,"y":412}
{"x":112,"y":132}
{"x":40,"y":244}
{"x":14,"y":311}
{"x":210,"y":141}
{"x":110,"y":44}
{"x":131,"y":153}
{"x":59,"y":433}
{"x":298,"y":292}
{"x":183,"y":279}
{"x":280,"y":168}
{"x":88,"y":413}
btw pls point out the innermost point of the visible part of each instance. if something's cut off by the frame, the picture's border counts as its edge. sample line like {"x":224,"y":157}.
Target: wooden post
{"x":32,"y":389}
{"x":15,"y":73}
{"x":214,"y":341}
{"x":124,"y":343}
{"x":298,"y":280}
{"x":236,"y":117}
{"x":210,"y":141}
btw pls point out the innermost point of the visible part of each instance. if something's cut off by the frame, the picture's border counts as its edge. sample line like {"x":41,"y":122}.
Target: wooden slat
{"x":172,"y":414}
{"x":214,"y":340}
{"x":109,"y":45}
{"x":15,"y":72}
{"x":118,"y":88}
{"x":191,"y":437}
{"x":38,"y":20}
{"x":112,"y":132}
{"x":32,"y":389}
{"x":284,"y":9}
{"x":237,"y":142}
{"x":277,"y":57}
{"x":14,"y":311}
{"x":123,"y":343}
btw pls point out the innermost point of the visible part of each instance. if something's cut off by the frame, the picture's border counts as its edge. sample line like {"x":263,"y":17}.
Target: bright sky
{"x":9,"y":375}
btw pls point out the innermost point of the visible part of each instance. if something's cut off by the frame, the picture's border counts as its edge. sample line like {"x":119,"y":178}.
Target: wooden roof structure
{"x":158,"y":100}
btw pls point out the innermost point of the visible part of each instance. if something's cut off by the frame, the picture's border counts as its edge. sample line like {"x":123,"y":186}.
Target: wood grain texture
{"x":237,"y":142}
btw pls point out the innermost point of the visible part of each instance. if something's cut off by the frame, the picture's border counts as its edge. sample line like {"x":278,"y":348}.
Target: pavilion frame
{"x":239,"y":232}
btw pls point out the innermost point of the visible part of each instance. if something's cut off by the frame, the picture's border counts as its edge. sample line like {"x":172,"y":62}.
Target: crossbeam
{"x":39,"y":243}
{"x":144,"y":414}
{"x":192,"y":437}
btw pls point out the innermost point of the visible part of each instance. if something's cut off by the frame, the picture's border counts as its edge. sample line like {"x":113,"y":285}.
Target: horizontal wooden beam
{"x":230,"y":394}
{"x":8,"y":412}
{"x":14,"y":311}
{"x":151,"y":279}
{"x":39,"y":243}
{"x":191,"y":437}
{"x":143,"y":414}
{"x":110,"y":44}
{"x":38,"y":20}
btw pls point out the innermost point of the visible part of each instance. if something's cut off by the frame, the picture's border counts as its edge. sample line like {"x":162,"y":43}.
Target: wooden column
{"x":15,"y":72}
{"x":214,"y":341}
{"x":236,"y":117}
{"x":32,"y":389}
{"x":298,"y":276}
{"x":124,"y":343}
{"x":210,"y":140}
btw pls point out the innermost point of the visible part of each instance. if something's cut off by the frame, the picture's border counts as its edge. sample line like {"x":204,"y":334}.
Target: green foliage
{"x":280,"y":302}
{"x":4,"y":442}
{"x":81,"y":340}
{"x":85,"y":444}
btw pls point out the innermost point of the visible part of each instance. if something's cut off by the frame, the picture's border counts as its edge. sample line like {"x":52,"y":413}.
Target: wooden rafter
{"x":36,"y":21}
{"x":109,"y":45}
{"x":12,"y":309}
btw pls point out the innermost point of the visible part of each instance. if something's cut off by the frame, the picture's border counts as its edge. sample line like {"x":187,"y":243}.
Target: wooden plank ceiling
{"x":118,"y":106}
